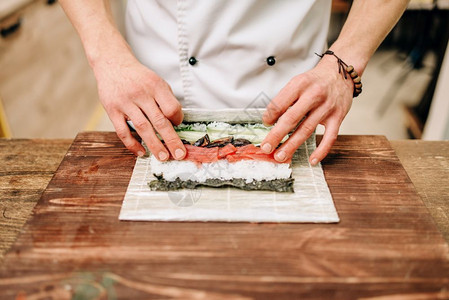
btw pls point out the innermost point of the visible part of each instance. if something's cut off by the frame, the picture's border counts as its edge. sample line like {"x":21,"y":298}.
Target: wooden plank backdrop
{"x":74,"y":245}
{"x":27,"y":165}
{"x":427,"y":164}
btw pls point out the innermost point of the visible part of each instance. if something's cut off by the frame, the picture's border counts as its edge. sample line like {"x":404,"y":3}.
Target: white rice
{"x":222,"y":169}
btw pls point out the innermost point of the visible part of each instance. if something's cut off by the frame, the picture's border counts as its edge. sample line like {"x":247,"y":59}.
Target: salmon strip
{"x":229,"y":152}
{"x":201,"y":154}
{"x":251,"y":152}
{"x":226,"y":150}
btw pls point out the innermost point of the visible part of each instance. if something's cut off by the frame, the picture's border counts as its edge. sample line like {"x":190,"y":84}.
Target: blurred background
{"x":47,"y":89}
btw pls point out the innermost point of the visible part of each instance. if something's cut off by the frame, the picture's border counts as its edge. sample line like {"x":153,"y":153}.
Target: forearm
{"x":127,"y":89}
{"x":94,"y":23}
{"x":367,"y":25}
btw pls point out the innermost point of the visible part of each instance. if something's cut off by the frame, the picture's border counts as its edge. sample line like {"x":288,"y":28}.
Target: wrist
{"x":346,"y":71}
{"x":105,"y":46}
{"x":358,"y":58}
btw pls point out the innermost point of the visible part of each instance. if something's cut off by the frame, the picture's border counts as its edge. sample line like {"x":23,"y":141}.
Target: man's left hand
{"x":319,"y":96}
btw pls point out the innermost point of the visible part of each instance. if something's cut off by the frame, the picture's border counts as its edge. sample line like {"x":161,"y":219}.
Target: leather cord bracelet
{"x":347,"y":69}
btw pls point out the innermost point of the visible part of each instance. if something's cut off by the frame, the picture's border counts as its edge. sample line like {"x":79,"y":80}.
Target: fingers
{"x":147,"y":133}
{"x":165,"y":129}
{"x":125,"y":135}
{"x":301,"y":134}
{"x":144,"y":128}
{"x":286,"y":123}
{"x":288,"y":95}
{"x":169,"y":105}
{"x":329,"y":138}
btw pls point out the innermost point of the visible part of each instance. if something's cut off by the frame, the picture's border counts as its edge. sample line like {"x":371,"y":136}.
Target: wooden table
{"x":395,"y":249}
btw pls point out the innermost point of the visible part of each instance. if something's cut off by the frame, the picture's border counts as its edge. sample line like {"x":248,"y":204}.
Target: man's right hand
{"x":130,"y":91}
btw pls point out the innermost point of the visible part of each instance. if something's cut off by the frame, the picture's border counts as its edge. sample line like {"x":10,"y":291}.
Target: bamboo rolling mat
{"x":311,"y":201}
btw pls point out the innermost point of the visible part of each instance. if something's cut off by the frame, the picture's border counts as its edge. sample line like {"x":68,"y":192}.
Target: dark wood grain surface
{"x":74,"y":245}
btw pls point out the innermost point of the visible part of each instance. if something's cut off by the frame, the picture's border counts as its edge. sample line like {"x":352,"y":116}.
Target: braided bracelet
{"x":347,"y":70}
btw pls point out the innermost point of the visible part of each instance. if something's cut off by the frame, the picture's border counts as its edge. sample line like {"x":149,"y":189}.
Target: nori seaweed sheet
{"x":277,"y":185}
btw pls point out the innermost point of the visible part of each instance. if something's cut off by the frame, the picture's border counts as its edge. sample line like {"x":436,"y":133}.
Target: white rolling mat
{"x":311,"y":201}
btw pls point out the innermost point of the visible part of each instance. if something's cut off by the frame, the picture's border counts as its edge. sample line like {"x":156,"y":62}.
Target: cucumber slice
{"x":255,"y":133}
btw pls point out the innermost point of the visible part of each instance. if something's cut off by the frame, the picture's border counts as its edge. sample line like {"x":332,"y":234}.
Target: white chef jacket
{"x":219,"y":53}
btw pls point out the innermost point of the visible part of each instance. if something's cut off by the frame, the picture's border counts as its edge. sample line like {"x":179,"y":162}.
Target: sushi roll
{"x":219,"y":155}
